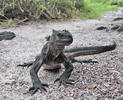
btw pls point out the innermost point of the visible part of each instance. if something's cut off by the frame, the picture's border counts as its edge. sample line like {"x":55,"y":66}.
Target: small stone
{"x":120,"y":78}
{"x":15,"y":77}
{"x":78,"y":85}
{"x":106,"y":84}
{"x":92,"y":98}
{"x":121,"y":98}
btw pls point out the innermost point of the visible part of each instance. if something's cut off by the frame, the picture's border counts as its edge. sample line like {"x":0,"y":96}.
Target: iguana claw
{"x":36,"y":87}
{"x":65,"y":81}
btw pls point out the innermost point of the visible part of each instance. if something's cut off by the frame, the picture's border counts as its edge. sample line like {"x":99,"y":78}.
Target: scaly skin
{"x":6,"y":35}
{"x":52,"y":52}
{"x":53,"y":55}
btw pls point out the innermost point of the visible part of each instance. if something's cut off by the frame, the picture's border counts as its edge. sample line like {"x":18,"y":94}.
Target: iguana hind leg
{"x":64,"y":78}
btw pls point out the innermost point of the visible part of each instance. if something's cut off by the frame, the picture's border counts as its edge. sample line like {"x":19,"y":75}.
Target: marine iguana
{"x":53,"y":55}
{"x":7,"y":35}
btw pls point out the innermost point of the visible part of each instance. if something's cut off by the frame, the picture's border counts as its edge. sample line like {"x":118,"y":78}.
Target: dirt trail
{"x":107,"y":75}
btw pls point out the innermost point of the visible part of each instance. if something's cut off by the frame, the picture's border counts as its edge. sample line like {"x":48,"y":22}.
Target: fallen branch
{"x":21,"y":21}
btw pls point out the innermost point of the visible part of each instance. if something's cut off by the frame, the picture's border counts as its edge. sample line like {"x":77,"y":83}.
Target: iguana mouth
{"x":64,"y":41}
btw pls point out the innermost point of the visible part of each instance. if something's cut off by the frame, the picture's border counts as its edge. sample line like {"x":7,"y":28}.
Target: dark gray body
{"x":53,"y":55}
{"x":6,"y":35}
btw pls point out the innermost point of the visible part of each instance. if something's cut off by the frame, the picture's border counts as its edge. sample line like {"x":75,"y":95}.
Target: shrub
{"x":53,"y":9}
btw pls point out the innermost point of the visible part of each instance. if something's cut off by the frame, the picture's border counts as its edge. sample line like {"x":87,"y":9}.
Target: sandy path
{"x":107,"y":74}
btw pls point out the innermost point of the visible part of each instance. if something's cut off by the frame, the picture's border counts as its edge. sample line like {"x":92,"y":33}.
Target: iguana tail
{"x":75,"y":52}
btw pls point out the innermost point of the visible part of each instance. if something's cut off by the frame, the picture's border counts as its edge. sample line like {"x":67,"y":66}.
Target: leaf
{"x":10,"y":21}
{"x":91,"y":86}
{"x":21,"y":1}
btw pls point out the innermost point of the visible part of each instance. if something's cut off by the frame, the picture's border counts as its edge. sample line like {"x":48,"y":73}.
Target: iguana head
{"x":61,"y":37}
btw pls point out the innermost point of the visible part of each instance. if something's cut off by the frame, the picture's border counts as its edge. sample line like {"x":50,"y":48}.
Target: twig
{"x":48,"y":17}
{"x":20,"y":7}
{"x":53,"y":6}
{"x":26,"y":19}
{"x":13,"y":4}
{"x":48,"y":12}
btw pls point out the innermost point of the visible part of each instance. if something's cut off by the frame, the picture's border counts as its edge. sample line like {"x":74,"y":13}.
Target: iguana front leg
{"x":64,"y":78}
{"x":37,"y":85}
{"x":28,"y":64}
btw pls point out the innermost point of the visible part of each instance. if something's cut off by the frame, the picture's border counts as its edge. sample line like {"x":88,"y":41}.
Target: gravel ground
{"x":99,"y":81}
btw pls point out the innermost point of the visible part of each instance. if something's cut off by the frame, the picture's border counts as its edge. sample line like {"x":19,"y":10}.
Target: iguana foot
{"x":28,"y":64}
{"x":65,"y":81}
{"x":84,"y":61}
{"x":37,"y":86}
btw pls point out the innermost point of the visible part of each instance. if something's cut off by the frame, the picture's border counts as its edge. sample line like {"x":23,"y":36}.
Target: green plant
{"x":94,"y":8}
{"x":10,"y":21}
{"x":50,"y":9}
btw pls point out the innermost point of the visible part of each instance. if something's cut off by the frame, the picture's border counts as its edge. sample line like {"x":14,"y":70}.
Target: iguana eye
{"x":61,"y":35}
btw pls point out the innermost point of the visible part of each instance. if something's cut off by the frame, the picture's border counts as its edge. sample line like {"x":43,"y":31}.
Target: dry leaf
{"x":91,"y":86}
